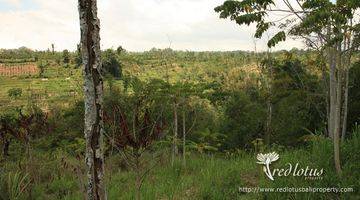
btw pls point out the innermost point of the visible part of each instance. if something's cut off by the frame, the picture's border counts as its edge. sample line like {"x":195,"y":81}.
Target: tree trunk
{"x":28,"y":150}
{"x":184,"y":139}
{"x":93,"y":91}
{"x":326,"y":92}
{"x":337,"y":125}
{"x":346,"y":94}
{"x":345,"y":106}
{"x":5,"y":149}
{"x":334,"y":123}
{"x":269,"y":103}
{"x":347,"y":47}
{"x":332,"y":93}
{"x":337,"y":106}
{"x":268,"y":121}
{"x":175,"y":149}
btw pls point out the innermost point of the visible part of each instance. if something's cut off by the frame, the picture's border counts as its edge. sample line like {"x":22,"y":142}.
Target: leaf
{"x":261,"y":28}
{"x":279,"y":37}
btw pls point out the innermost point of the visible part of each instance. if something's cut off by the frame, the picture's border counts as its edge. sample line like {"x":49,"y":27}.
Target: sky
{"x":136,"y":25}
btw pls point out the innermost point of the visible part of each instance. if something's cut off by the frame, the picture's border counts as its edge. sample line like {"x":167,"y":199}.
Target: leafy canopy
{"x":303,"y":18}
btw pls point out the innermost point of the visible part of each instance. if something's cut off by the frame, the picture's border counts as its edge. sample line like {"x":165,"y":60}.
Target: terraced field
{"x":18,"y":69}
{"x":58,"y":86}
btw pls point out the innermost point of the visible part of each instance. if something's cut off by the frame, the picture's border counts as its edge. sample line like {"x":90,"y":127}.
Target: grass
{"x":210,"y":177}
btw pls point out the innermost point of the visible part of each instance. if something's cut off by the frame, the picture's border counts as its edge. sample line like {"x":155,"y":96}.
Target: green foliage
{"x":251,"y":11}
{"x":21,"y":54}
{"x":15,"y":93}
{"x":111,"y":64}
{"x":354,"y":95}
{"x":42,"y":65}
{"x":278,"y":37}
{"x":244,"y":121}
{"x":261,"y":29}
{"x":66,"y":56}
{"x":312,"y":17}
{"x":223,"y":97}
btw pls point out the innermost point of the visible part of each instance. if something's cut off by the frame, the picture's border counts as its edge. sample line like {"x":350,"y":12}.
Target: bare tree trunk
{"x":134,"y":123}
{"x":346,"y":87}
{"x":28,"y":150}
{"x":337,"y":125}
{"x":269,"y":102}
{"x":268,"y":121}
{"x":345,"y":106}
{"x":93,"y":90}
{"x":184,"y":139}
{"x":5,"y":149}
{"x":326,"y":91}
{"x":175,"y":149}
{"x":332,"y":93}
{"x":337,"y":106}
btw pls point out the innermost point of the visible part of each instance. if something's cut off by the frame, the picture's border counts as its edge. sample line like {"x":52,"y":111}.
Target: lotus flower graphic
{"x":266,"y":159}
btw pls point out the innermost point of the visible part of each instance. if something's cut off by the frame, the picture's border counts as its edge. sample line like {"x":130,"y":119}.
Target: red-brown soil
{"x":18,"y":69}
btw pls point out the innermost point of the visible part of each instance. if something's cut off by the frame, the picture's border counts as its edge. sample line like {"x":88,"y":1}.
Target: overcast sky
{"x":137,"y":25}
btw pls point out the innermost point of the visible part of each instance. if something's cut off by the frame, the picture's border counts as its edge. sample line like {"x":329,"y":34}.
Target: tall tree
{"x":328,"y":27}
{"x":93,"y":90}
{"x":175,"y":137}
{"x":66,"y":56}
{"x":53,"y":48}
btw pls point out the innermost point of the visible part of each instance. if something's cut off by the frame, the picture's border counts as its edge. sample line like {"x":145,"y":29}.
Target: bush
{"x":110,"y":64}
{"x":15,"y":93}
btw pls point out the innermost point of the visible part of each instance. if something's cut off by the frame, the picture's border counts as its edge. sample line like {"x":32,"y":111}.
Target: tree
{"x":120,"y":50}
{"x":329,"y":28}
{"x":266,"y":78}
{"x":186,"y":130}
{"x":66,"y":56}
{"x":93,"y":90}
{"x":135,"y":120}
{"x":7,"y":129}
{"x":42,"y":65}
{"x":22,"y":127}
{"x":78,"y":59}
{"x":53,"y":48}
{"x":110,"y":63}
{"x":175,"y":137}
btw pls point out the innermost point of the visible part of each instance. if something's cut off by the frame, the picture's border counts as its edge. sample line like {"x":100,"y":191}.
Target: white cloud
{"x":16,"y":3}
{"x":136,"y":25}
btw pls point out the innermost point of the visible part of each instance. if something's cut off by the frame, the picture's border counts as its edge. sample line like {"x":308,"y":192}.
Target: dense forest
{"x":171,"y":124}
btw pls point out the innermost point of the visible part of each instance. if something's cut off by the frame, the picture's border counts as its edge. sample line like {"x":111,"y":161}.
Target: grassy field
{"x":205,"y":176}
